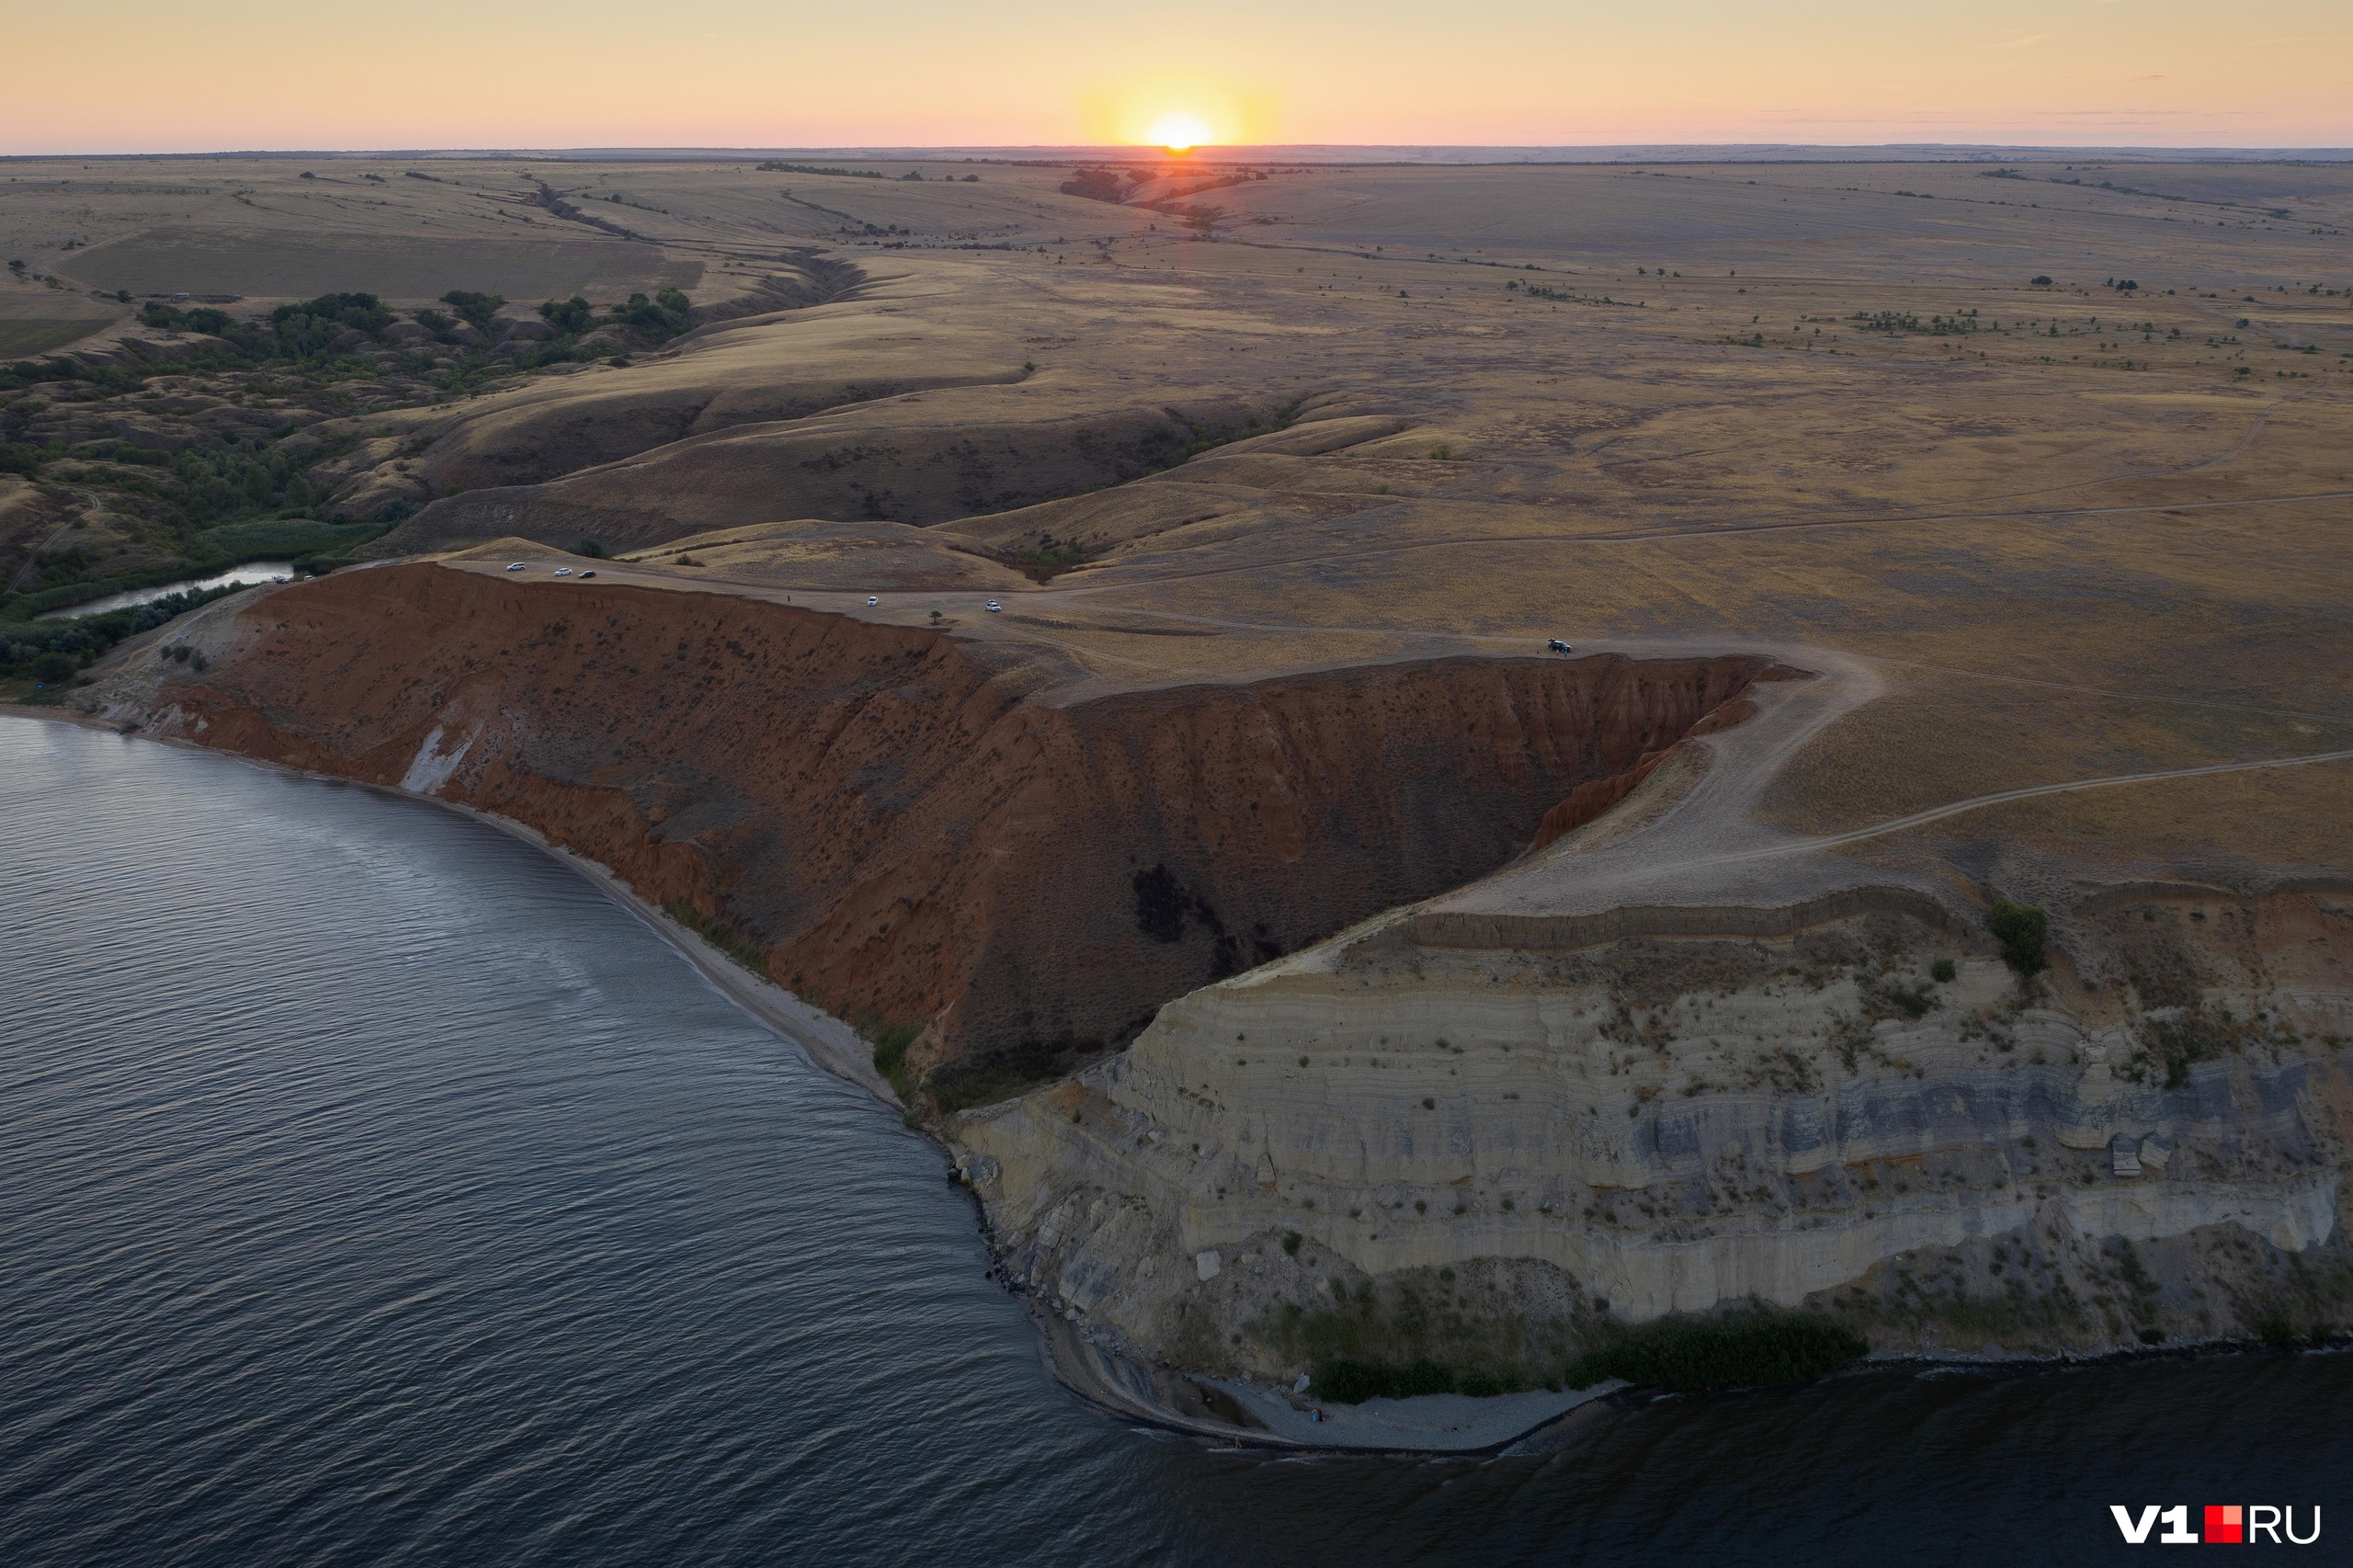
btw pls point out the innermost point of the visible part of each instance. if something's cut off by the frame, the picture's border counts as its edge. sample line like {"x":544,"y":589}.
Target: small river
{"x":235,"y":576}
{"x":373,"y":1190}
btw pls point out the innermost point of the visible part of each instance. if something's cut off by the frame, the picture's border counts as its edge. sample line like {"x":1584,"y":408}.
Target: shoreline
{"x":1108,"y":1382}
{"x":1114,"y":1384}
{"x":783,"y":1014}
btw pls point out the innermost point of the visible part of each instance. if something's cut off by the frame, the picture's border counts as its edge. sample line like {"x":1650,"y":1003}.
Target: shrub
{"x":1291,"y":1242}
{"x":1686,"y":1355}
{"x":589,"y":548}
{"x":2020,"y":928}
{"x":719,"y":934}
{"x":1942,"y":971}
{"x":1096,"y":184}
{"x":891,"y":1044}
{"x":1353,"y":1382}
{"x":1002,"y":1073}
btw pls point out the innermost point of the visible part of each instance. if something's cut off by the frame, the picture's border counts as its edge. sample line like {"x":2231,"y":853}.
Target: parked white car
{"x":564,"y":571}
{"x":995,"y":605}
{"x":517,"y":567}
{"x":871,"y":601}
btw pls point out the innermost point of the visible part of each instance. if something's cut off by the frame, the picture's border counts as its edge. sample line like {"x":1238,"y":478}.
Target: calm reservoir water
{"x":374,"y":1191}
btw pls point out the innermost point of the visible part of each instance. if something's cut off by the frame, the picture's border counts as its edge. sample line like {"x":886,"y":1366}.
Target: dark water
{"x":371,"y":1191}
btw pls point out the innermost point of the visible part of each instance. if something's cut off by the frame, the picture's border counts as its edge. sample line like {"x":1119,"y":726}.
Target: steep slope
{"x":895,"y":819}
{"x":1397,"y":1146}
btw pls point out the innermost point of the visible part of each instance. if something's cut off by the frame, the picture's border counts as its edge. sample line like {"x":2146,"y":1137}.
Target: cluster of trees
{"x":1558,"y":296}
{"x":664,"y":316}
{"x":315,"y":329}
{"x":51,"y":651}
{"x":220,"y":479}
{"x":1095,"y":185}
{"x":661,"y":318}
{"x":1905,"y":321}
{"x":777,"y":167}
{"x":475,"y":310}
{"x":571,"y":317}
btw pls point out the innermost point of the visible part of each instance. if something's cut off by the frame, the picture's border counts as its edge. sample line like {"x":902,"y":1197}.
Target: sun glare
{"x":1179,"y":133}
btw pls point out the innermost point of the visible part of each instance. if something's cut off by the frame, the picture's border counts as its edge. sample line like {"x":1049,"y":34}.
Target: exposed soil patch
{"x":885,"y":816}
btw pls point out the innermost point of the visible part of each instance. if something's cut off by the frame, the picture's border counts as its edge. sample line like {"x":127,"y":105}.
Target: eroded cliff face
{"x":890,"y":820}
{"x":1413,"y":1142}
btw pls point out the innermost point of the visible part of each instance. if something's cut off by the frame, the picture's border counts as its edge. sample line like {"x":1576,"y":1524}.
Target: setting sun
{"x":1179,"y":133}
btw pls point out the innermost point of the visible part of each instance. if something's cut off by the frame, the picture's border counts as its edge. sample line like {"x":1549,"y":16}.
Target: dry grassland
{"x":2080,"y":530}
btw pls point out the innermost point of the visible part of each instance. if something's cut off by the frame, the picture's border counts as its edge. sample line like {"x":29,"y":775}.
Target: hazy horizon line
{"x":1328,"y":152}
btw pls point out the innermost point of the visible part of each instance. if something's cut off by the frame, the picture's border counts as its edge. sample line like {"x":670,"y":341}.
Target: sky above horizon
{"x":142,"y":75}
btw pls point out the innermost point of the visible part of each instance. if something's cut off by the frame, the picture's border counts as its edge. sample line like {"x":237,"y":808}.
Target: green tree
{"x":2020,"y":928}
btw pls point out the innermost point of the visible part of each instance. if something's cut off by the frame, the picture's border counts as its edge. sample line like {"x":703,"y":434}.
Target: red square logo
{"x":2224,"y":1525}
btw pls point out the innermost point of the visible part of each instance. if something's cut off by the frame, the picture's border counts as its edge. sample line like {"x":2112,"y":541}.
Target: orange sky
{"x":131,"y":76}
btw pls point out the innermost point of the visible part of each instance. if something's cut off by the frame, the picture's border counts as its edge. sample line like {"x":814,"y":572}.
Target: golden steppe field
{"x":1338,"y":414}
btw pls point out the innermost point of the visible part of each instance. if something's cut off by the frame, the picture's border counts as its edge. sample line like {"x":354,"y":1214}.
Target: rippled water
{"x":373,"y":1190}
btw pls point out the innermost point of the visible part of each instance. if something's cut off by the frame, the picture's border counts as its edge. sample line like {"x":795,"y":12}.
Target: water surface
{"x":373,"y":1190}
{"x":235,"y":576}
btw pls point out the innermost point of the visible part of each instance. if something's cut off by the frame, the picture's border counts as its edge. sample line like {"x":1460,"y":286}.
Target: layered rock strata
{"x":1427,"y":1141}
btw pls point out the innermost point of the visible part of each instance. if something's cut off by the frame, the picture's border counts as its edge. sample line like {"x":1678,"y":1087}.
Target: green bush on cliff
{"x":1002,"y":1073}
{"x":2020,"y":928}
{"x":890,"y":1043}
{"x":1353,"y":1382}
{"x":1758,"y":1346}
{"x":718,"y":934}
{"x":1688,"y":1354}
